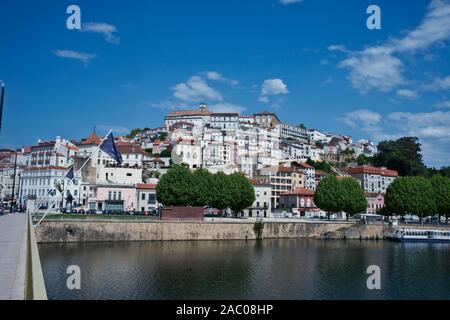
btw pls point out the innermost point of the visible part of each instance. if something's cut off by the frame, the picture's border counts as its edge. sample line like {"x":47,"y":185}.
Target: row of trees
{"x":403,"y":155}
{"x":335,"y":195}
{"x":182,"y":187}
{"x":418,"y":196}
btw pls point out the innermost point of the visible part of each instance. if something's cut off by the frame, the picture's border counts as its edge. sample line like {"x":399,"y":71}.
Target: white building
{"x":225,"y":121}
{"x":8,"y":179}
{"x":200,"y":117}
{"x":261,"y":208}
{"x":292,"y":132}
{"x":146,"y":197}
{"x":316,"y":136}
{"x":188,"y":152}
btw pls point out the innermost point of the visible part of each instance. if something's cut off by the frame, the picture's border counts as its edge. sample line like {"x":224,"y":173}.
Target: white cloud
{"x":378,"y":67}
{"x":76,"y":55}
{"x":288,"y":2}
{"x":196,"y":89}
{"x":374,"y":68}
{"x":338,"y":47}
{"x":107,"y":30}
{"x":272,"y":87}
{"x":263,"y":99}
{"x":365,"y":119}
{"x":327,"y":81}
{"x":407,"y":94}
{"x":439,"y":84}
{"x":442,"y":104}
{"x":216,"y":76}
{"x":432,"y":128}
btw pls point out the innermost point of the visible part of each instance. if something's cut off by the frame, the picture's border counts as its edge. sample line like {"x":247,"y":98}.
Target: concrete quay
{"x":13,"y":252}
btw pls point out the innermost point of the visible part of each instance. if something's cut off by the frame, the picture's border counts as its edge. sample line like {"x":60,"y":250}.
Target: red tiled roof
{"x":373,"y":170}
{"x":186,"y":113}
{"x":92,"y":139}
{"x":146,"y":186}
{"x":300,"y":192}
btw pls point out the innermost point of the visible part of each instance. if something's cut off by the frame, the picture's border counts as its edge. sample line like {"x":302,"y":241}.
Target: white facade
{"x":292,"y":132}
{"x":225,"y":121}
{"x":261,"y":208}
{"x":188,"y":152}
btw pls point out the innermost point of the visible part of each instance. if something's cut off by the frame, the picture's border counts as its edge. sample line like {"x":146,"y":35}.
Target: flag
{"x":70,"y":175}
{"x":58,"y":186}
{"x":109,"y":147}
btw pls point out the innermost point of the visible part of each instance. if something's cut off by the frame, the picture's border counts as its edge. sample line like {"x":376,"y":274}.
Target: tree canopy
{"x":403,"y":155}
{"x":181,"y":187}
{"x":354,"y":198}
{"x":242,"y":192}
{"x":328,"y":195}
{"x":441,"y":187}
{"x":410,"y":195}
{"x":334,"y":195}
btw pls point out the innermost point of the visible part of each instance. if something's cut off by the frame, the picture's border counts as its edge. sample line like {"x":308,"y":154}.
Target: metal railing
{"x":34,"y":278}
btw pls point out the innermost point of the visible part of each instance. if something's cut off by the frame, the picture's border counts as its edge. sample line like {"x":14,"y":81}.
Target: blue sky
{"x":312,"y":62}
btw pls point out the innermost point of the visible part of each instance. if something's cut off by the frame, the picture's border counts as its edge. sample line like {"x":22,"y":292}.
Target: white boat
{"x":420,"y":235}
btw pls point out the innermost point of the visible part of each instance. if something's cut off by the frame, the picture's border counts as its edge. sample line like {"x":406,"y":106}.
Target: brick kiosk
{"x":182,"y":213}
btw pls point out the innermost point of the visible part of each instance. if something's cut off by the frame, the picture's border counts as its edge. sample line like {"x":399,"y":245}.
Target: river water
{"x":272,"y":269}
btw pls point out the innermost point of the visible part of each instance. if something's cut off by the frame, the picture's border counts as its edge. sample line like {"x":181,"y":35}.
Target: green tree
{"x":242,"y":192}
{"x":134,"y":132}
{"x":363,"y":160}
{"x":410,"y":195}
{"x":203,"y":186}
{"x":175,"y":187}
{"x":166,"y":153}
{"x":320,"y":165}
{"x":441,"y":186}
{"x":354,"y":199}
{"x":329,"y":195}
{"x":221,"y":195}
{"x":403,"y":155}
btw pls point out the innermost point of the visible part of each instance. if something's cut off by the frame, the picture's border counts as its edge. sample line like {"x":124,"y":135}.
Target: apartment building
{"x":373,"y":179}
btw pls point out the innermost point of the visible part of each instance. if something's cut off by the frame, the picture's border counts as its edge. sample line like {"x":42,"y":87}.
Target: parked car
{"x":91,"y":211}
{"x":73,"y":211}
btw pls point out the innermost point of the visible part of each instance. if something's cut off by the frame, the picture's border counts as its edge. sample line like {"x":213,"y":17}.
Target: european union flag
{"x":109,"y":147}
{"x":70,"y":175}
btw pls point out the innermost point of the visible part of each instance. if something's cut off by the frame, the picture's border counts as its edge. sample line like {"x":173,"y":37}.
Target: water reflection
{"x":272,"y":269}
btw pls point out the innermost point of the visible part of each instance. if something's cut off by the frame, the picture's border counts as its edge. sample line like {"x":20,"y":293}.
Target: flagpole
{"x":74,"y":176}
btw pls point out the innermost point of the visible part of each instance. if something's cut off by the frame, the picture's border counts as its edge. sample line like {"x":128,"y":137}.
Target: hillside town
{"x":274,"y":155}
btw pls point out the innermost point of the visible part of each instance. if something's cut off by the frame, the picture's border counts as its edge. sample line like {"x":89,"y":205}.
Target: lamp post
{"x":1,"y":102}
{"x":14,"y":183}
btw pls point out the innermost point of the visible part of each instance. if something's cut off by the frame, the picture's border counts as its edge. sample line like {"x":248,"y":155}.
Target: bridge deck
{"x":13,"y":251}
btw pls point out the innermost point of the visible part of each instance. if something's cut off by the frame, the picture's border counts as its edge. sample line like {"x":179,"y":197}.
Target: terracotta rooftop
{"x":186,"y":113}
{"x":299,"y":191}
{"x":92,"y":139}
{"x":146,"y":186}
{"x":373,"y":170}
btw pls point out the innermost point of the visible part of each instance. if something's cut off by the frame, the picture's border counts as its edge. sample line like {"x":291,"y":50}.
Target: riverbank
{"x":75,"y":230}
{"x":114,"y":231}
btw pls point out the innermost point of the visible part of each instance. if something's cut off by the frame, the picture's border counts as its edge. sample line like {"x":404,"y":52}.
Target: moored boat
{"x":420,"y":235}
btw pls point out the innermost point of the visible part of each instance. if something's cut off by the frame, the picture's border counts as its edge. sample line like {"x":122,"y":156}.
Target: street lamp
{"x":1,"y":102}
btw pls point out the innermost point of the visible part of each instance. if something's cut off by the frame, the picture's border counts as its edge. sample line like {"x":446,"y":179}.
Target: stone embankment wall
{"x":89,"y":231}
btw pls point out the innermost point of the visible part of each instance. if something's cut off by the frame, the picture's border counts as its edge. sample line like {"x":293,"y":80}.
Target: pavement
{"x":13,"y":249}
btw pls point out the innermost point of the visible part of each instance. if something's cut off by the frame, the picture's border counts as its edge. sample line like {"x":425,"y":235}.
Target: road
{"x":13,"y":248}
